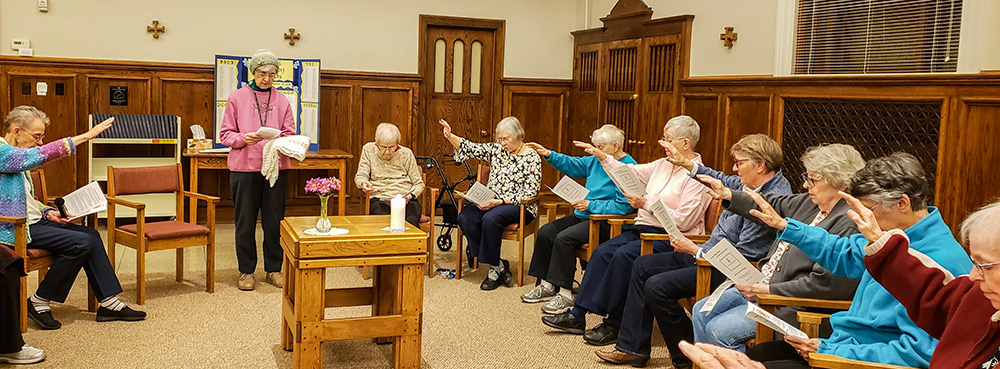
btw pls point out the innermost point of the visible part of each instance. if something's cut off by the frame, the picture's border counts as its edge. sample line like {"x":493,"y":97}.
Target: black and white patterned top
{"x":512,"y":177}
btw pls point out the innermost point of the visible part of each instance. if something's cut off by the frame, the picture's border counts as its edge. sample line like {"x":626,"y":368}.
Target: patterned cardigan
{"x":14,"y":162}
{"x":512,"y":177}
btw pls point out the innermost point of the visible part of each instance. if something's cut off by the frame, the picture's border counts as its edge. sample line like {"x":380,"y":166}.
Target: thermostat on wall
{"x":20,"y":44}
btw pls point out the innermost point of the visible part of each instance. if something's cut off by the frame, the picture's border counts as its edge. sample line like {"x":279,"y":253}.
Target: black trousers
{"x":777,"y":355}
{"x":252,"y":193}
{"x":554,"y":258}
{"x":10,"y":310}
{"x":73,"y":247}
{"x":383,"y":207}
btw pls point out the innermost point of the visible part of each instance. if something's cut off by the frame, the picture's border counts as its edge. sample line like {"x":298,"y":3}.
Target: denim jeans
{"x":727,"y":325}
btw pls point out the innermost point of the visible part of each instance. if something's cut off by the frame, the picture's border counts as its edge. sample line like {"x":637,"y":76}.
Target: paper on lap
{"x":763,"y":317}
{"x":86,"y":200}
{"x":715,"y":296}
{"x":478,"y":194}
{"x":569,"y":190}
{"x":626,"y":181}
{"x":734,"y":265}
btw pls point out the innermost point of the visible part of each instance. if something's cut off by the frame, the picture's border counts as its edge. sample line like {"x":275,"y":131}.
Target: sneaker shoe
{"x":565,"y":322}
{"x":27,"y":355}
{"x":126,"y":313}
{"x":274,"y":278}
{"x":558,"y":305}
{"x":539,"y":294}
{"x":44,"y":320}
{"x":247,"y":282}
{"x":601,"y":335}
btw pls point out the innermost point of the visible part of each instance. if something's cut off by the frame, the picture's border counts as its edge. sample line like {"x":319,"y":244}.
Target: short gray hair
{"x":22,"y":116}
{"x":981,"y":226}
{"x":512,"y":126}
{"x":835,"y":163}
{"x":885,"y":180}
{"x":684,"y":127}
{"x":760,"y":148}
{"x":387,"y":133}
{"x":608,"y":134}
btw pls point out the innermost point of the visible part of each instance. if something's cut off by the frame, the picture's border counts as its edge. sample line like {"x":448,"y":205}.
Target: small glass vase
{"x":323,"y":224}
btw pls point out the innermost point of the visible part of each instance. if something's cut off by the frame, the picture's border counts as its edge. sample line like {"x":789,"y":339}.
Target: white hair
{"x":608,"y":134}
{"x":981,"y":228}
{"x":511,"y":126}
{"x":834,"y":163}
{"x":23,"y":115}
{"x":684,"y":127}
{"x":387,"y":133}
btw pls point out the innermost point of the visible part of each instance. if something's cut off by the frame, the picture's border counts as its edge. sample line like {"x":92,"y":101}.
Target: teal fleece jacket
{"x":877,"y":328}
{"x":604,"y":196}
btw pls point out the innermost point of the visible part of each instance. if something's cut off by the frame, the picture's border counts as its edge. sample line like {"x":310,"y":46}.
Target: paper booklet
{"x":478,"y":194}
{"x":763,"y":317}
{"x":715,"y":296}
{"x":660,"y":212}
{"x":569,"y":190}
{"x":268,"y":132}
{"x":734,"y":265}
{"x":86,"y":200}
{"x":627,"y":181}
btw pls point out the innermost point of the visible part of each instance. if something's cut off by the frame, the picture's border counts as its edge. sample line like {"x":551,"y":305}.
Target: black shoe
{"x":126,"y":314}
{"x":681,"y":361}
{"x":44,"y":320}
{"x":565,"y":322}
{"x":469,"y":258}
{"x":506,"y":276}
{"x":601,"y":335}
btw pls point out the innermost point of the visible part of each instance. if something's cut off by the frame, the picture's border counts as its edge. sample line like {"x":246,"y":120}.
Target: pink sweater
{"x":242,"y":117}
{"x":684,"y":197}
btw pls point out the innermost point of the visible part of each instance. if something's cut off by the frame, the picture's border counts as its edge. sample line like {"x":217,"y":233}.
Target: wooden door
{"x":658,"y":62}
{"x":461,"y":64}
{"x":621,"y":92}
{"x":58,"y":102}
{"x":585,"y":101}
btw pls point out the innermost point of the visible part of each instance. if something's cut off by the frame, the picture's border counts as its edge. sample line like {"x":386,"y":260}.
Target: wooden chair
{"x":514,"y":232}
{"x":38,"y":259}
{"x":769,"y":302}
{"x":584,"y":252}
{"x":810,"y":323}
{"x":164,"y":235}
{"x":428,"y":202}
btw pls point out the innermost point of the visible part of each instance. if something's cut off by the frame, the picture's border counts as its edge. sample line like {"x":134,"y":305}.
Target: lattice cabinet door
{"x":586,"y":100}
{"x":621,"y":99}
{"x":657,"y":65}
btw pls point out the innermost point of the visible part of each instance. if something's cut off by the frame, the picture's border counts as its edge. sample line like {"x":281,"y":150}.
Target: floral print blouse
{"x":512,"y":177}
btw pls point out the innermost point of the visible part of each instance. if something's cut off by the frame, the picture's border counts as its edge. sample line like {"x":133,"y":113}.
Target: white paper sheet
{"x":734,"y":265}
{"x":660,"y":212}
{"x":310,"y":81}
{"x":627,"y":181}
{"x":86,"y":200}
{"x":763,"y":317}
{"x":569,"y":190}
{"x":713,"y":299}
{"x":478,"y":194}
{"x":268,"y":132}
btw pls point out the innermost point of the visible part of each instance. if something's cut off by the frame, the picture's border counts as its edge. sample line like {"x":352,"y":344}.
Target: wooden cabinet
{"x":625,"y":74}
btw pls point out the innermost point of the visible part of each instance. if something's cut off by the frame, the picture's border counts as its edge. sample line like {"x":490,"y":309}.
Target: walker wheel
{"x":444,"y":242}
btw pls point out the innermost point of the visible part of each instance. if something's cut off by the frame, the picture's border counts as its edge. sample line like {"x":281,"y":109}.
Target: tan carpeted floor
{"x":189,"y":328}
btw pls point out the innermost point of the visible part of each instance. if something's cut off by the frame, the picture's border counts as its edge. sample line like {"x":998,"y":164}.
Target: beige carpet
{"x":189,"y":328}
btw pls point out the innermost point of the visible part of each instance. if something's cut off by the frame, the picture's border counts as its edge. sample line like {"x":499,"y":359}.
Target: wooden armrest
{"x":698,"y":238}
{"x":655,"y":237}
{"x":555,"y":205}
{"x":201,"y":196}
{"x":775,"y":300}
{"x":609,"y":217}
{"x":621,"y":221}
{"x":529,"y":200}
{"x":817,"y":360}
{"x":702,"y":262}
{"x":13,"y":220}
{"x":808,"y":317}
{"x":126,"y":203}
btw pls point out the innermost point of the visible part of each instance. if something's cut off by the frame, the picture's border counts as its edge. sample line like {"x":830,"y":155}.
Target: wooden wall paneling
{"x":585,"y":113}
{"x":543,"y":112}
{"x":61,"y":110}
{"x":704,"y":108}
{"x":967,"y":176}
{"x":745,"y":114}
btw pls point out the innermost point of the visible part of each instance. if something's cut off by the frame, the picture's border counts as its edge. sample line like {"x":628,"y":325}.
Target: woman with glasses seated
{"x":515,"y":174}
{"x":247,"y":110}
{"x":554,"y":259}
{"x":387,"y":169}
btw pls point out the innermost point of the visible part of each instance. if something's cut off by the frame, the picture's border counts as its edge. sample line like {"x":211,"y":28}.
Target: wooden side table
{"x":396,"y":295}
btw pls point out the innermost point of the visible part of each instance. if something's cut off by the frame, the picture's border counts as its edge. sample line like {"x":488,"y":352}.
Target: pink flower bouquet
{"x":323,"y":186}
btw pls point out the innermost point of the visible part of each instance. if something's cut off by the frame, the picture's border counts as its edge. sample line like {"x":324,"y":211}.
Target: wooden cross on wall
{"x":291,"y":36}
{"x":156,"y":29}
{"x":728,"y":37}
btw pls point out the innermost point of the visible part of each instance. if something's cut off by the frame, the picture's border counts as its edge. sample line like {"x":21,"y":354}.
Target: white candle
{"x":396,"y":216}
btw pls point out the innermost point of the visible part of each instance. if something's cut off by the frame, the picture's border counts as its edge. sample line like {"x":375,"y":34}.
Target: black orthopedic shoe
{"x":602,"y":335}
{"x":565,"y":322}
{"x":126,"y":314}
{"x":44,"y":320}
{"x":495,"y":279}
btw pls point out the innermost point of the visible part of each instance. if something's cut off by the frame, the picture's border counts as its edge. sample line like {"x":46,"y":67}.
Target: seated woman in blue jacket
{"x":554,"y":259}
{"x":876,"y":328}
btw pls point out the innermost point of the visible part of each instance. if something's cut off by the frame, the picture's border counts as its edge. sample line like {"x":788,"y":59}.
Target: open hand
{"x":367,"y":187}
{"x":675,"y":157}
{"x":541,"y":150}
{"x":100,"y":127}
{"x":718,"y":191}
{"x":590,"y":149}
{"x":252,"y":138}
{"x":803,"y":346}
{"x":863,"y":217}
{"x":445,"y":129}
{"x":766,"y":212}
{"x":708,"y":356}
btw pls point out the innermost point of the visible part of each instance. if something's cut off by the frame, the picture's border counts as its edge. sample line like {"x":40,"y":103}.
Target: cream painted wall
{"x":754,"y":21}
{"x":373,"y":35}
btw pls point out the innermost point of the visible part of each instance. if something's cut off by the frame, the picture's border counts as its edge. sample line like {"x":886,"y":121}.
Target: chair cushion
{"x":37,"y":253}
{"x":168,"y":229}
{"x":512,"y":228}
{"x":424,"y":218}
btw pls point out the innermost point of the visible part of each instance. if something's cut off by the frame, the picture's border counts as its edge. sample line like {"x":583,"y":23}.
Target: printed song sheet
{"x":730,"y":262}
{"x":478,"y":194}
{"x":86,"y":200}
{"x":569,"y":190}
{"x":715,"y":296}
{"x":763,"y":317}
{"x":627,"y":181}
{"x":660,"y":212}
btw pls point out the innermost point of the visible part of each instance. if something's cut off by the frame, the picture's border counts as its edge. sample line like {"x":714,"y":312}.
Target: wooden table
{"x":396,"y":295}
{"x":328,"y":159}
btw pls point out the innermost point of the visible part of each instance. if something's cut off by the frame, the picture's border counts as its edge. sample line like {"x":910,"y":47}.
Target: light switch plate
{"x":20,"y":44}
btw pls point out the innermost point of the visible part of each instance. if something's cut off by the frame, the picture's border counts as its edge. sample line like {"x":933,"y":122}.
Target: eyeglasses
{"x":36,"y":136}
{"x":668,"y":139}
{"x":503,"y":140}
{"x":739,"y":161}
{"x":261,"y":74}
{"x":982,"y":267}
{"x":810,"y":180}
{"x":387,"y":148}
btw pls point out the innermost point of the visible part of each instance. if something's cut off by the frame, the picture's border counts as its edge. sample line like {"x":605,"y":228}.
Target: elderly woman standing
{"x":247,"y":110}
{"x":387,"y":169}
{"x":554,"y":259}
{"x":515,"y":174}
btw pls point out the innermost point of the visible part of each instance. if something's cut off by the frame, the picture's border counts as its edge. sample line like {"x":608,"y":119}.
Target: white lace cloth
{"x":294,"y":147}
